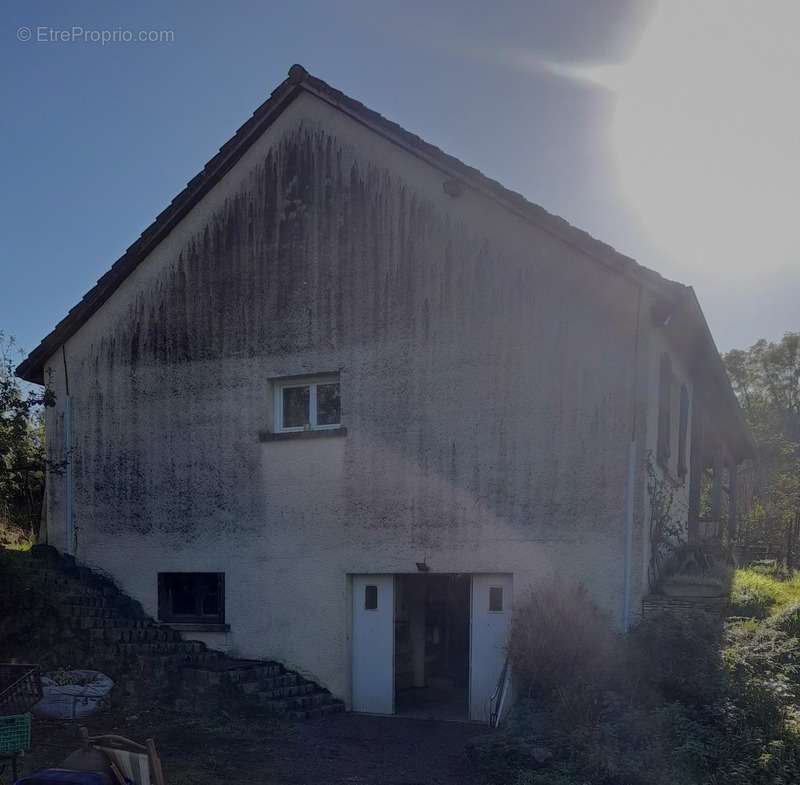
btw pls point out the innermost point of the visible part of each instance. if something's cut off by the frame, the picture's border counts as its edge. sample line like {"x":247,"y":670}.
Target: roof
{"x":297,"y":82}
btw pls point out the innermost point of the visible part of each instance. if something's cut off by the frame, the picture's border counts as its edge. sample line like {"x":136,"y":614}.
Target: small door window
{"x":371,"y":598}
{"x":496,"y":599}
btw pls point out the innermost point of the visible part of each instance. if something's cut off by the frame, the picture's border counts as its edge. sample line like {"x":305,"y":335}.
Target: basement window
{"x":310,"y":404}
{"x":191,"y":597}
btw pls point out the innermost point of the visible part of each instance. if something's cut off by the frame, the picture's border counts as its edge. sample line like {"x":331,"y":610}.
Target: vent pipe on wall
{"x":630,"y":482}
{"x":69,"y":516}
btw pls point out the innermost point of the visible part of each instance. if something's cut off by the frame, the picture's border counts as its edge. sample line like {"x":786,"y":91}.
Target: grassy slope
{"x":760,"y":595}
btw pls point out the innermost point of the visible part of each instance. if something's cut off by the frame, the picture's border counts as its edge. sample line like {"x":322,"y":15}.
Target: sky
{"x":669,"y":130}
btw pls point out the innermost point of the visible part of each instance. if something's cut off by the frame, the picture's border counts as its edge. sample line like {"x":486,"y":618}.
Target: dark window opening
{"x":370,"y":598}
{"x":683,"y":468}
{"x":197,"y":597}
{"x":496,"y":599}
{"x":295,"y":407}
{"x":663,"y":449}
{"x":328,"y":404}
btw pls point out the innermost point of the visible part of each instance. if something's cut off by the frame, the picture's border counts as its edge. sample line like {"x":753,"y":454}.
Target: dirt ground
{"x":344,"y":749}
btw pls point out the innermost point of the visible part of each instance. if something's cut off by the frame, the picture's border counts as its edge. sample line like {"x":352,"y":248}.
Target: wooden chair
{"x":139,"y":763}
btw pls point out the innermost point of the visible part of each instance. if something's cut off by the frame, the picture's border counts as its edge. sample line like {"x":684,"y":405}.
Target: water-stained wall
{"x":487,"y":380}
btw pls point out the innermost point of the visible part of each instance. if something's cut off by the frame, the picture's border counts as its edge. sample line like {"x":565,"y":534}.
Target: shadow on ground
{"x":344,"y":749}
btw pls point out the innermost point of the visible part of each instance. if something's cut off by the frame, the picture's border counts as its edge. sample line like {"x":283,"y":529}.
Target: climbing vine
{"x":666,"y":535}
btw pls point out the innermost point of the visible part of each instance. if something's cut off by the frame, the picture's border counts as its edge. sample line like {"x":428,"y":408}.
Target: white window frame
{"x":279,"y":385}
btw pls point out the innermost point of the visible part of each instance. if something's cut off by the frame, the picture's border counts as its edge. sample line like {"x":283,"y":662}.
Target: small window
{"x":195,"y":597}
{"x":663,"y":446}
{"x":496,"y":599}
{"x":307,"y":404}
{"x":683,"y":428}
{"x":371,"y":598}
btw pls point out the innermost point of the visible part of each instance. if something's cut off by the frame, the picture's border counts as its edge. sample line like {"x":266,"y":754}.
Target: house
{"x":347,"y":397}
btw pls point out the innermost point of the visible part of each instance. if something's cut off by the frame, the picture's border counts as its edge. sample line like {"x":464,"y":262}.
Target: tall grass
{"x":759,"y":595}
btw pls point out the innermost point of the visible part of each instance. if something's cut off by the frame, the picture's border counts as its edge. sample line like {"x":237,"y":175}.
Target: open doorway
{"x":432,"y":643}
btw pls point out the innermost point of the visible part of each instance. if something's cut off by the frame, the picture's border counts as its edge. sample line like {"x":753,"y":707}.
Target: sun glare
{"x":706,"y":134}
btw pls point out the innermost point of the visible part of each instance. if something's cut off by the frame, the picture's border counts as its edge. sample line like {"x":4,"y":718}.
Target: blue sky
{"x":551,"y":98}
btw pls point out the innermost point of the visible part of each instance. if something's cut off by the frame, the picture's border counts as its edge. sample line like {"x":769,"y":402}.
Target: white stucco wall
{"x":487,"y":380}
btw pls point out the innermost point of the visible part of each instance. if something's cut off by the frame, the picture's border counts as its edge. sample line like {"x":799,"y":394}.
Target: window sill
{"x":196,"y":626}
{"x":281,"y":436}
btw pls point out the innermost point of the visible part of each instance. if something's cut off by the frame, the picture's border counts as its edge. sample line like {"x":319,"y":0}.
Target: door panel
{"x":373,"y":644}
{"x":492,"y":597}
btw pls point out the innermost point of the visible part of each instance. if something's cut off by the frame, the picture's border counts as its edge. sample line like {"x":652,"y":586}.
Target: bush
{"x":559,"y":637}
{"x":676,"y":658}
{"x":682,"y":700}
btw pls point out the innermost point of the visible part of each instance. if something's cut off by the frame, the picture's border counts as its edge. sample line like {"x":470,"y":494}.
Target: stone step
{"x":84,"y":611}
{"x":92,"y":601}
{"x":148,"y":655}
{"x":302,"y":703}
{"x":292,"y":691}
{"x":151,"y":634}
{"x":165,"y":647}
{"x":288,"y":679}
{"x":258,"y":673}
{"x":335,"y":706}
{"x":116,"y":623}
{"x":225,"y":670}
{"x":235,"y":671}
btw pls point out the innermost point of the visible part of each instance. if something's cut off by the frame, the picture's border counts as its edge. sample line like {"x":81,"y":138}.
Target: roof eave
{"x":742,"y":444}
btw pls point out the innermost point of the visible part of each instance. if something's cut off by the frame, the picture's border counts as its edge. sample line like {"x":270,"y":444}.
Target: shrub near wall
{"x":681,"y":700}
{"x":559,"y":637}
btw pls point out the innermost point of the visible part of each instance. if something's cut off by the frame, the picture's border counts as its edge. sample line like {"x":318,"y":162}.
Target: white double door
{"x":373,"y":641}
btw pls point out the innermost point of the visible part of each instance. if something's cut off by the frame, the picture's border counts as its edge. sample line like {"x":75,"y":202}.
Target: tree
{"x":22,"y":457}
{"x":766,"y":379}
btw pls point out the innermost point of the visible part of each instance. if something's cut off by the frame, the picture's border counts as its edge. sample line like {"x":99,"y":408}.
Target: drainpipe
{"x":69,"y":518}
{"x":630,"y":490}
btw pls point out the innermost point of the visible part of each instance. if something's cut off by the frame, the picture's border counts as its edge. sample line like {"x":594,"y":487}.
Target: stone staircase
{"x":147,"y":657}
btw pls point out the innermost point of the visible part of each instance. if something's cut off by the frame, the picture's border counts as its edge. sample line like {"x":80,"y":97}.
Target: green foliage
{"x":756,"y":595}
{"x":22,"y":459}
{"x":675,"y":658}
{"x":772,"y":568}
{"x":689,"y":699}
{"x":766,"y":379}
{"x":753,"y":594}
{"x":787,"y":620}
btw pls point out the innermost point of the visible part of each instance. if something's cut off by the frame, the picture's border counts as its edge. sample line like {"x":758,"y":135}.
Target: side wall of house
{"x":487,"y":382}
